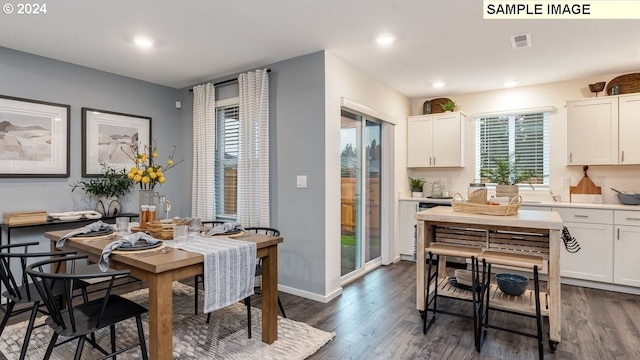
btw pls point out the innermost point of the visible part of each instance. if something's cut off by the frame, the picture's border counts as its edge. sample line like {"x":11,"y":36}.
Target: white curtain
{"x":204,"y":143}
{"x":253,"y":156}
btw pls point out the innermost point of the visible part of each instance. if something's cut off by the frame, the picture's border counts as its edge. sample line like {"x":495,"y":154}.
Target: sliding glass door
{"x":361,"y":166}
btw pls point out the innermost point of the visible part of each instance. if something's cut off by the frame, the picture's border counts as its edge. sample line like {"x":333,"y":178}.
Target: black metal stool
{"x":433,"y":278}
{"x":523,"y":261}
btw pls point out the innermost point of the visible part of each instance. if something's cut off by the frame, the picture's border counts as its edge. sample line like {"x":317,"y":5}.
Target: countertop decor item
{"x":629,"y":199}
{"x":512,"y":284}
{"x":597,"y":87}
{"x":585,"y":186}
{"x":505,"y":173}
{"x":629,"y":83}
{"x":460,"y":205}
{"x":417,"y":185}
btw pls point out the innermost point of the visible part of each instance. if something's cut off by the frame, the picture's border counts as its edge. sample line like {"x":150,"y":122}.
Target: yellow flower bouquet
{"x":146,"y":171}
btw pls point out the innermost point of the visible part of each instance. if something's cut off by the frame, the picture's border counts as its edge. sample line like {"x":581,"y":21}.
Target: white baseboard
{"x":309,"y":295}
{"x":601,"y":286}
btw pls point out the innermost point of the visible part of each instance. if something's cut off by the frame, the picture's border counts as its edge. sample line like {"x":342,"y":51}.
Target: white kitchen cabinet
{"x":604,"y":131}
{"x":626,"y":267}
{"x":436,"y":140}
{"x":593,"y":229}
{"x":592,"y":131}
{"x":629,"y":129}
{"x":406,"y":223}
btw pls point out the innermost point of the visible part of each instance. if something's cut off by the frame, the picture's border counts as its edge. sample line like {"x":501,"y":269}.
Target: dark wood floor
{"x":375,"y":318}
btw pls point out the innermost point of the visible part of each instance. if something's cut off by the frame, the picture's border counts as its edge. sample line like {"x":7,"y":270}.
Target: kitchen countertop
{"x":541,"y":204}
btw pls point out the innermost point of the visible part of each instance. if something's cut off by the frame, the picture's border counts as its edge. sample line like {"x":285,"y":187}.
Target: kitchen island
{"x":529,"y":231}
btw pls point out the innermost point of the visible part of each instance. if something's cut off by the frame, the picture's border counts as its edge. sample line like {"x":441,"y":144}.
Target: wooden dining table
{"x":160,"y":270}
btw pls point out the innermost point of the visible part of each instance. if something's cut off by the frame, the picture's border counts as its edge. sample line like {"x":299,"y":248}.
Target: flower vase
{"x":109,"y":206}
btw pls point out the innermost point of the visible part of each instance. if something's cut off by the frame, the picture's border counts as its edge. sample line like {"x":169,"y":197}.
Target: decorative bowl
{"x":629,"y":199}
{"x":512,"y":284}
{"x":597,"y":87}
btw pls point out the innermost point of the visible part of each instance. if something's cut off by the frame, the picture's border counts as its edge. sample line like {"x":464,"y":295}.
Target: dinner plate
{"x":232,"y":232}
{"x":143,"y":246}
{"x":93,"y":216}
{"x":97,"y":233}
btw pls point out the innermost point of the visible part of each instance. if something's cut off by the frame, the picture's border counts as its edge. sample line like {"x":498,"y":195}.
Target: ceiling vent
{"x":521,"y":41}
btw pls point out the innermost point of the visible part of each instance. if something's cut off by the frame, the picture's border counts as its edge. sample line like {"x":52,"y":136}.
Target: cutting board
{"x":585,"y":186}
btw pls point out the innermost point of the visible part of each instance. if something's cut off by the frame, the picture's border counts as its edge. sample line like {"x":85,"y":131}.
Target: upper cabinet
{"x":602,"y":131}
{"x":436,"y":140}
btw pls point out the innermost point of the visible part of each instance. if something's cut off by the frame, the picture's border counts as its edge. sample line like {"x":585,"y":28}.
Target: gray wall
{"x":34,"y":77}
{"x":297,"y":92}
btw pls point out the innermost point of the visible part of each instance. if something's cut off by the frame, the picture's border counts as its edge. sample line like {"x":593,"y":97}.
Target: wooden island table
{"x":161,"y":270}
{"x":528,"y":231}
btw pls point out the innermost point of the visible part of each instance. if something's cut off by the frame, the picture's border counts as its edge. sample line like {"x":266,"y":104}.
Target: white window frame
{"x":220,"y":193}
{"x":512,"y":116}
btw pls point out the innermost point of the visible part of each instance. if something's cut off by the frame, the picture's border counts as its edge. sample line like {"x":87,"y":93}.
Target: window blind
{"x":520,"y":136}
{"x":226,"y":159}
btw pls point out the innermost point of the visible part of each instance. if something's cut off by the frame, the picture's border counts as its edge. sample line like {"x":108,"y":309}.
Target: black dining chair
{"x":271,"y":232}
{"x":19,"y":290}
{"x":77,"y":321}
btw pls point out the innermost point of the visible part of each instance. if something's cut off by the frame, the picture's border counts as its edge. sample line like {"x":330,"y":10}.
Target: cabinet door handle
{"x":434,"y":161}
{"x":581,"y":216}
{"x":633,"y":219}
{"x":622,"y":156}
{"x":570,"y":157}
{"x":429,"y":160}
{"x":618,"y":234}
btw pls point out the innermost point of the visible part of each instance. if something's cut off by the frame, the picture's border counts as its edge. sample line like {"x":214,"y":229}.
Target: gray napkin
{"x":96,"y":226}
{"x":224,"y":228}
{"x":124,"y":242}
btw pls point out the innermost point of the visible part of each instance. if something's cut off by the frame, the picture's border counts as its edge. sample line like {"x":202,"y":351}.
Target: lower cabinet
{"x":593,"y":230}
{"x":407,"y":223}
{"x":594,"y":261}
{"x":626,"y":264}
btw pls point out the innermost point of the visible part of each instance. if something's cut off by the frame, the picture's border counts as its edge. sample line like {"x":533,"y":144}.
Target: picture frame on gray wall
{"x":34,"y":138}
{"x":111,"y":138}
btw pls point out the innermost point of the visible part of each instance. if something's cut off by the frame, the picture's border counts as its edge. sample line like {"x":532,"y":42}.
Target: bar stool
{"x":438,"y":250}
{"x":522,"y":261}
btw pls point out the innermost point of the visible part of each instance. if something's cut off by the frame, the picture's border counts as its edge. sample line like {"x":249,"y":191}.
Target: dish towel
{"x":225,"y":227}
{"x":128,"y":241}
{"x":229,"y":269}
{"x":96,"y":226}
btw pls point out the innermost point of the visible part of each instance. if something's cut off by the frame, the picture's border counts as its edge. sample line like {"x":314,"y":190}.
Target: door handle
{"x":622,"y":156}
{"x":581,"y":216}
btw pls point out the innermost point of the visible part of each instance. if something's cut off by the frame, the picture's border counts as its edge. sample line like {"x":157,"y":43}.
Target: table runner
{"x":229,"y":269}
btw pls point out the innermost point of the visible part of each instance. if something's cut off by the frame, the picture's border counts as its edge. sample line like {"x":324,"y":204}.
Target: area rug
{"x":225,"y":337}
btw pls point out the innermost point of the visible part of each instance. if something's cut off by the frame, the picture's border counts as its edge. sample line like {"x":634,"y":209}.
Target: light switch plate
{"x":301,"y":181}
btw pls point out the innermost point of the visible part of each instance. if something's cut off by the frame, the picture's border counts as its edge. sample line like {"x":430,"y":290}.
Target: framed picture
{"x":34,"y":138}
{"x":111,"y":138}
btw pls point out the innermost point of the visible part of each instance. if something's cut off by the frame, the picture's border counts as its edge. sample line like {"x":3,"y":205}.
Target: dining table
{"x":162,"y":269}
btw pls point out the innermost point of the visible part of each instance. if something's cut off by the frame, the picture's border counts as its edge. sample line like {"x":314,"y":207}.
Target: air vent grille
{"x":521,"y":41}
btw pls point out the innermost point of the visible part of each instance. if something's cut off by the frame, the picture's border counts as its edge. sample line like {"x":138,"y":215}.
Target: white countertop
{"x":541,"y":204}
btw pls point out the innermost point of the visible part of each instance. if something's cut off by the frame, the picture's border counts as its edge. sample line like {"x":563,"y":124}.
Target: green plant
{"x":416,"y":184}
{"x":505,"y":171}
{"x":112,"y":182}
{"x":448,"y":106}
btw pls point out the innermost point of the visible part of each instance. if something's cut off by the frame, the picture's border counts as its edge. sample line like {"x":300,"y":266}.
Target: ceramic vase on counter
{"x":109,"y":206}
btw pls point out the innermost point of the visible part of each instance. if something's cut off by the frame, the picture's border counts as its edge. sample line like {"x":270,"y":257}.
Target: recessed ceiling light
{"x":438,"y":84}
{"x":385,"y":39}
{"x":143,"y":42}
{"x":509,"y":84}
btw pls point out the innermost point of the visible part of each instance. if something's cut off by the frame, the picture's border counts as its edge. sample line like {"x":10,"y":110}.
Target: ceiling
{"x":445,"y":41}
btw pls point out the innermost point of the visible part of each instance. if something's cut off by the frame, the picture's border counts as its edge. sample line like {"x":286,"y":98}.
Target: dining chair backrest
{"x":262,"y":230}
{"x":17,"y":283}
{"x":45,"y":281}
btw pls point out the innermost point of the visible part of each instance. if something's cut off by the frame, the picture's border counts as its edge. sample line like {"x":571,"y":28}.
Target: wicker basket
{"x":459,"y":204}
